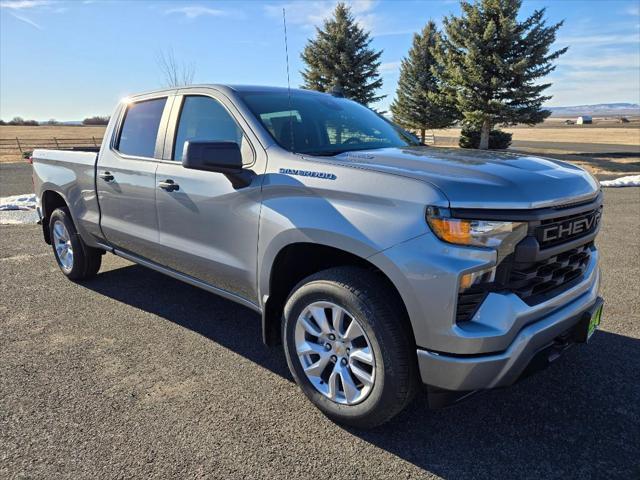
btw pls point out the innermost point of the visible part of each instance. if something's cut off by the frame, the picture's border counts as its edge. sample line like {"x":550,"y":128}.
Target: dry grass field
{"x":44,"y":132}
{"x":554,"y":131}
{"x":614,"y":136}
{"x":607,"y":147}
{"x":578,"y":133}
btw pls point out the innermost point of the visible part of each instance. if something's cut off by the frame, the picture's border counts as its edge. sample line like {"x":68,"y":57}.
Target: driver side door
{"x":207,"y":228}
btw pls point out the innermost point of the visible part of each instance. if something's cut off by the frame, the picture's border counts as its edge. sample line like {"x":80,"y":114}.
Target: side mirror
{"x":222,"y":157}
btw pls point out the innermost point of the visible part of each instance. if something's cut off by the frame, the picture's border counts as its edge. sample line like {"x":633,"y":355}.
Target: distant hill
{"x":600,"y":109}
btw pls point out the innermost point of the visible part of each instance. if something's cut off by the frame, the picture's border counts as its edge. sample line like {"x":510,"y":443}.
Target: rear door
{"x":125,"y":180}
{"x":209,"y":229}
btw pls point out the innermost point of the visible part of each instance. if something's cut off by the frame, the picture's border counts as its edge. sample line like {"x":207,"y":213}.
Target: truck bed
{"x":83,"y":156}
{"x":72,"y":175}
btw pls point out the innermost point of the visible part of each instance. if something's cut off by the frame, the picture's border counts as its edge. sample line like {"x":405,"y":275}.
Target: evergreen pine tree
{"x":419,"y":103}
{"x":492,"y":63}
{"x":340,"y":56}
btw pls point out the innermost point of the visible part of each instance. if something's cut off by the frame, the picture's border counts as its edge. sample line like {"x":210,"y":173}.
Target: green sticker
{"x":595,"y":320}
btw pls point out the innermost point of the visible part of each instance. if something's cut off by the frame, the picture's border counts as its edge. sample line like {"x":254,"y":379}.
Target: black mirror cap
{"x":223,"y":157}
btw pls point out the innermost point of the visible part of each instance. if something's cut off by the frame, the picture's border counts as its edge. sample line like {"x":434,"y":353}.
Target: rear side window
{"x":204,"y":119}
{"x":140,"y":128}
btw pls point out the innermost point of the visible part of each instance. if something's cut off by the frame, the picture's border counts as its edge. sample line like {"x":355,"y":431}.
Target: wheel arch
{"x":50,"y":201}
{"x":296,"y":261}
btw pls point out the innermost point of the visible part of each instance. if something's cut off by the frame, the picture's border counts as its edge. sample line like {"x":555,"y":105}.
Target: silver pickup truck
{"x":380,"y":264}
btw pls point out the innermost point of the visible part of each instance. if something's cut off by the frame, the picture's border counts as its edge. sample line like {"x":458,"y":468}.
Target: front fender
{"x":359,"y":212}
{"x":305,"y":235}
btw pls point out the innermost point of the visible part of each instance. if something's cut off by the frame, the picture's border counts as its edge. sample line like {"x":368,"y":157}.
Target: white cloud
{"x":363,"y":12}
{"x":312,"y":13}
{"x":601,"y":66}
{"x":599,"y":40}
{"x":603,"y":60}
{"x":195,"y":11}
{"x":23,"y":4}
{"x":633,"y":10}
{"x":18,"y":8}
{"x":362,"y":6}
{"x":302,"y":13}
{"x":24,"y":19}
{"x":588,"y":86}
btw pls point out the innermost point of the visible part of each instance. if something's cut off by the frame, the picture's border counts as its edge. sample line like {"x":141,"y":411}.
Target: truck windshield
{"x":319,"y":124}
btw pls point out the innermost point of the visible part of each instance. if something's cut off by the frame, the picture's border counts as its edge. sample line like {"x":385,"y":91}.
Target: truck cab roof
{"x":228,"y":88}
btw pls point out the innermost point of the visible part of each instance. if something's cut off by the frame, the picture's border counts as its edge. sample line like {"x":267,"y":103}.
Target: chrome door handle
{"x":169,"y":186}
{"x":106,"y":176}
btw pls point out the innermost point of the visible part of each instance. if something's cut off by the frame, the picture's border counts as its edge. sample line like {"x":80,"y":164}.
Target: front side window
{"x":318,"y":124}
{"x":140,"y":128}
{"x":204,"y":119}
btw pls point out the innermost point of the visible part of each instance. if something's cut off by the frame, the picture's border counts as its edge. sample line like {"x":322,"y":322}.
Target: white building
{"x":584,"y":119}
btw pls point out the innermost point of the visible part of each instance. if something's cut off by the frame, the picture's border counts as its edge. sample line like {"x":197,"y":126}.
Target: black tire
{"x":86,"y":260}
{"x":368,"y":299}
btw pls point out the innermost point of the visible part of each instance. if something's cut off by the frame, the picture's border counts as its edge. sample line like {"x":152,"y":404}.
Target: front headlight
{"x":501,"y":236}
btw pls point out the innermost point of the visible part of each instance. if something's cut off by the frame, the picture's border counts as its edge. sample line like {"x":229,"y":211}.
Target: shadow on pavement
{"x":202,"y":312}
{"x":579,"y":418}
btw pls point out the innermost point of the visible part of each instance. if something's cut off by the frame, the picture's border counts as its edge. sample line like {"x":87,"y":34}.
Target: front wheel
{"x":348,"y":346}
{"x":76,"y":260}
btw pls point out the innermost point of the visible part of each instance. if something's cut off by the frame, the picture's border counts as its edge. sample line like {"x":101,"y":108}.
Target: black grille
{"x":551,"y":259}
{"x":537,"y":281}
{"x":468,"y":303}
{"x":567,"y":228}
{"x":533,"y":282}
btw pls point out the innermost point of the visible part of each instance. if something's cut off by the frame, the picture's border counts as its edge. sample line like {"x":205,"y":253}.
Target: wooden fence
{"x":22,"y":145}
{"x":9,"y":145}
{"x":429,"y":137}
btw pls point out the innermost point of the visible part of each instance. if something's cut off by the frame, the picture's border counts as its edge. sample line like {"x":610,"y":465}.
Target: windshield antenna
{"x":286,"y":51}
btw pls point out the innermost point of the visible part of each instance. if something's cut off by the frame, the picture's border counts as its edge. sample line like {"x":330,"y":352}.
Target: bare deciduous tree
{"x":176,"y":74}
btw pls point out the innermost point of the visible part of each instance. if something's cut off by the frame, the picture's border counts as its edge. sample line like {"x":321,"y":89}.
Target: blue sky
{"x":68,"y":59}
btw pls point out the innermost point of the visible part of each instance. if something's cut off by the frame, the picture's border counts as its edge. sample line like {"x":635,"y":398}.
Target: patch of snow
{"x":18,"y":209}
{"x":18,"y":202}
{"x":628,"y":181}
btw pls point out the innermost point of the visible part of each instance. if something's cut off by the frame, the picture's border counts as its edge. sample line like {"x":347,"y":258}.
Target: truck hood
{"x":483,"y":179}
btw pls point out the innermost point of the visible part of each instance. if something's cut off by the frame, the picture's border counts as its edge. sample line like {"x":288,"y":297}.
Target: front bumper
{"x":468,"y":373}
{"x":498,"y":340}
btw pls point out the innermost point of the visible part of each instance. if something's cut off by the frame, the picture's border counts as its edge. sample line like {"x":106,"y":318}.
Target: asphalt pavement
{"x":134,"y":374}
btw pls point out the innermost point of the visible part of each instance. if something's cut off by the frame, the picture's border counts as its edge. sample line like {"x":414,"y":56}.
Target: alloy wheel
{"x":335,"y":353}
{"x":62,"y":244}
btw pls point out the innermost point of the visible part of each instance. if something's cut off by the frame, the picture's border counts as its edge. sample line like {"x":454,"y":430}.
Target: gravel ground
{"x":134,"y":374}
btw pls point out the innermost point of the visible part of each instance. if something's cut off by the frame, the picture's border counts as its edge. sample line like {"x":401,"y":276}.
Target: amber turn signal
{"x":452,"y":230}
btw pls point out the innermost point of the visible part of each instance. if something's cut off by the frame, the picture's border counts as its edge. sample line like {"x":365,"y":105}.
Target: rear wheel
{"x":348,"y":346}
{"x":76,"y":260}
